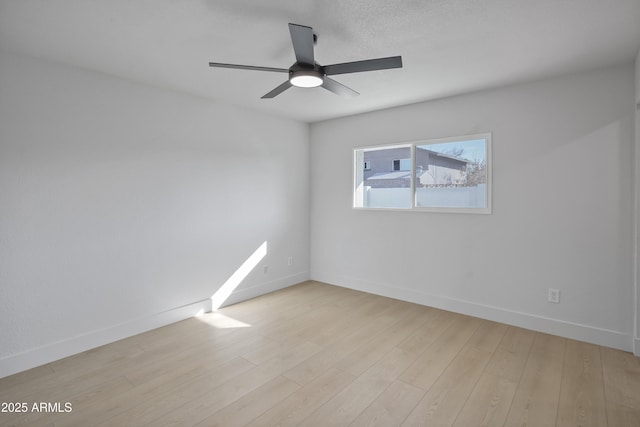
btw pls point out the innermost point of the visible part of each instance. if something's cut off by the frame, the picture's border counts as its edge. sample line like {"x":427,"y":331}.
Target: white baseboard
{"x":50,"y":352}
{"x":264,"y":288}
{"x":586,"y":333}
{"x":15,"y":363}
{"x":636,"y":347}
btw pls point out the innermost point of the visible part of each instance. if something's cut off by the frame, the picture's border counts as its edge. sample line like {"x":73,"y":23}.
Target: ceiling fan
{"x":305,"y":72}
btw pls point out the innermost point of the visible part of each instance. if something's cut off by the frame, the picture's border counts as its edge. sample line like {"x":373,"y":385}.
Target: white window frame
{"x":358,"y":167}
{"x":358,"y":188}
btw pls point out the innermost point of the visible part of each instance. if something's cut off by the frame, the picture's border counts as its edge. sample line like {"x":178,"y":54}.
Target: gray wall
{"x":547,"y":229}
{"x":124,"y":207}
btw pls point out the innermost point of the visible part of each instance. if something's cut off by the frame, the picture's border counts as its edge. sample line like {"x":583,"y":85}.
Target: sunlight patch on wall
{"x":221,"y":295}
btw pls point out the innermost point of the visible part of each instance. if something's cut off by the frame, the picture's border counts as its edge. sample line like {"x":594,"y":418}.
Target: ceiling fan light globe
{"x":304,"y":78}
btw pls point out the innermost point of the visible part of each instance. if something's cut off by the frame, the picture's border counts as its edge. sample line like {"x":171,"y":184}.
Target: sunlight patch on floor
{"x":221,"y":321}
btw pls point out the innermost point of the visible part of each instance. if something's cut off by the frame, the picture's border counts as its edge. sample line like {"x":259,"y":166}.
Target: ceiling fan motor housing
{"x":301,"y":75}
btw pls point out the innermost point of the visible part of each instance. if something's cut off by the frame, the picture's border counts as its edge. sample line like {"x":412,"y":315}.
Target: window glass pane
{"x":402,"y":165}
{"x":385,"y":182}
{"x":451,"y":174}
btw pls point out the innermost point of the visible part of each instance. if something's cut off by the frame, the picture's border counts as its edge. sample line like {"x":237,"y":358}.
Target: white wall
{"x":556,"y":143}
{"x":125,"y":207}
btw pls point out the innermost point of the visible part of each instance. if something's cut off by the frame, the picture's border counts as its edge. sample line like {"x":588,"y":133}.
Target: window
{"x":438,"y":175}
{"x":392,"y":186}
{"x":402,"y":165}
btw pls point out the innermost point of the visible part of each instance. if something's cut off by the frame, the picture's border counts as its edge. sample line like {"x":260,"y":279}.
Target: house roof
{"x":448,"y":156}
{"x":448,"y":47}
{"x":391,"y":175}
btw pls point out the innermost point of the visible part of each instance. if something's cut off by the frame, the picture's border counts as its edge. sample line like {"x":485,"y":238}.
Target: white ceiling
{"x":448,"y":46}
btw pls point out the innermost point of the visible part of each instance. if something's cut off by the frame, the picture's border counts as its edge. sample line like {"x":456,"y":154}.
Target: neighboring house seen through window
{"x":443,"y":175}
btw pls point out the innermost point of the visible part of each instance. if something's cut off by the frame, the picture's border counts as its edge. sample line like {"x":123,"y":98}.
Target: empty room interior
{"x":311,"y":213}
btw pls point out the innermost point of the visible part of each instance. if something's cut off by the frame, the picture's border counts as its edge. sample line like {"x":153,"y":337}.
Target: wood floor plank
{"x":391,"y":365}
{"x":430,"y":365}
{"x":204,"y":403}
{"x":52,"y":381}
{"x":489,"y":402}
{"x":622,"y":415}
{"x":582,"y":392}
{"x":390,"y":408}
{"x":144,"y":397}
{"x":293,"y":410}
{"x":407,"y":321}
{"x":621,"y":372}
{"x":268,"y":349}
{"x":487,"y":336}
{"x":340,"y":349}
{"x":155,"y":405}
{"x":251,"y":405}
{"x":438,"y":321}
{"x":269,"y":311}
{"x":511,"y":355}
{"x":198,"y":355}
{"x":199,"y":407}
{"x":83,"y":372}
{"x":98,"y":393}
{"x":10,"y":385}
{"x":313,"y":322}
{"x":536,"y":400}
{"x":443,"y":401}
{"x":350,"y":320}
{"x":346,"y":405}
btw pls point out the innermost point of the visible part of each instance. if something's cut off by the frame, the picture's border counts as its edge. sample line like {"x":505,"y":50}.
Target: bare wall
{"x":125,"y":207}
{"x":562,"y":209}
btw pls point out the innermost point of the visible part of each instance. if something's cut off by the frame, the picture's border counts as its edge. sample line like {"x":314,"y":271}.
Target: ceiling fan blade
{"x":247,"y":67}
{"x":302,"y":39}
{"x":277,"y":91}
{"x":366,"y":65}
{"x":338,"y":88}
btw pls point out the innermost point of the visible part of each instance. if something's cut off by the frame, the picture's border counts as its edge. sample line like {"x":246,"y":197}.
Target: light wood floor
{"x":319,"y":355}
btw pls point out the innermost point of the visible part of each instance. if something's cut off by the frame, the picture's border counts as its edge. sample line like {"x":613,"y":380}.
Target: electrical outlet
{"x":265,"y":269}
{"x":553,"y":296}
{"x":290,"y":261}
